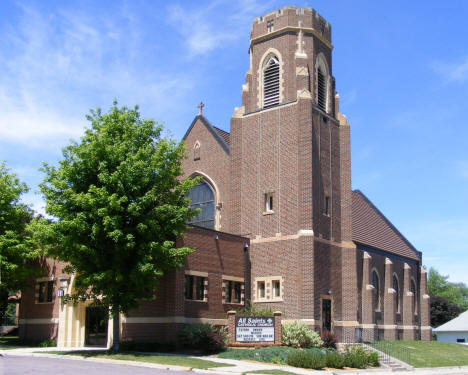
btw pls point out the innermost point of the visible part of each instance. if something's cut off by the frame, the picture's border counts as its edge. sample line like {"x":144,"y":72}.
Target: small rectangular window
{"x":460,"y":340}
{"x":237,"y":292}
{"x":50,"y":291}
{"x":261,"y":289}
{"x":326,"y":205}
{"x":228,"y":291}
{"x":194,"y":288}
{"x":42,"y":291}
{"x":200,"y":289}
{"x":268,"y":202}
{"x":188,"y":287}
{"x":276,"y":288}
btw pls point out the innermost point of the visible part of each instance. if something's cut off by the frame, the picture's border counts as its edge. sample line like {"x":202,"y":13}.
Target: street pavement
{"x":15,"y":365}
{"x":30,"y":361}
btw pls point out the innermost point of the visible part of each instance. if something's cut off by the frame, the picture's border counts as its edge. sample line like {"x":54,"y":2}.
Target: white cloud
{"x":204,"y":28}
{"x":463,"y":169}
{"x":56,"y":64}
{"x":453,"y":71}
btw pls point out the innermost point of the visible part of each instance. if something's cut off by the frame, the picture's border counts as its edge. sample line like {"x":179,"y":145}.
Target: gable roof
{"x":224,"y":134}
{"x":220,"y":135}
{"x":372,"y":228}
{"x":458,"y":324}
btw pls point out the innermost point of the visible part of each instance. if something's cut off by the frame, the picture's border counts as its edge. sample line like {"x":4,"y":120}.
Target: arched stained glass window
{"x":202,"y":197}
{"x":376,"y":284}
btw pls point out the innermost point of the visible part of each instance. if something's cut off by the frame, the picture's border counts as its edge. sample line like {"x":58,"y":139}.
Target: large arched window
{"x":396,"y":287}
{"x":322,"y":84}
{"x":376,"y":285}
{"x":202,"y":197}
{"x":271,"y":82}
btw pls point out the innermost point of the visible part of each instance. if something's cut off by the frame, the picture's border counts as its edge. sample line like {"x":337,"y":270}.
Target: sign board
{"x":255,"y":329}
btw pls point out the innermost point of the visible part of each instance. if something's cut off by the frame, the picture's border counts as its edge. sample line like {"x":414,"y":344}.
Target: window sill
{"x":44,"y":303}
{"x":268,"y":213}
{"x":233,"y":303}
{"x":196,"y":300}
{"x":264,"y":300}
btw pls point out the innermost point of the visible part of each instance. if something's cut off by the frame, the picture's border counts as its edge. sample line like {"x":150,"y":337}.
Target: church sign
{"x":255,"y":329}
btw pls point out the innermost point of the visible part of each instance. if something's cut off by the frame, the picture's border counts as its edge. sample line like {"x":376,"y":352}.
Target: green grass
{"x":272,"y":372}
{"x":11,"y":342}
{"x":426,"y":353}
{"x":140,"y":357}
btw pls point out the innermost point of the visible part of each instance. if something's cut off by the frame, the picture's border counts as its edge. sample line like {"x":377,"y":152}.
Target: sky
{"x":401,"y":70}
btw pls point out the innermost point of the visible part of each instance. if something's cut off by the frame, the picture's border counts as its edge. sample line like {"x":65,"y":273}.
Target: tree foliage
{"x":17,"y":247}
{"x":119,"y":205}
{"x":454,"y":293}
{"x":442,"y":311}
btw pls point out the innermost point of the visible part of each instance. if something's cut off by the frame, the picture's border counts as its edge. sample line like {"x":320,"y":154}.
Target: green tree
{"x":454,"y":293}
{"x":17,"y":250}
{"x":119,"y":205}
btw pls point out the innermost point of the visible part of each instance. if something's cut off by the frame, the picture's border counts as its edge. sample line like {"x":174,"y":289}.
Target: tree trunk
{"x":116,"y":332}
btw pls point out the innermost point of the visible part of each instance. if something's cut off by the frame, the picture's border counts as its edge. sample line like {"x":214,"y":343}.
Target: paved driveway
{"x":12,"y":365}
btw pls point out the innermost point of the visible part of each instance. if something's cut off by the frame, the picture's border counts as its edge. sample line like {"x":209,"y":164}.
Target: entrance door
{"x":326,"y":315}
{"x":96,"y":326}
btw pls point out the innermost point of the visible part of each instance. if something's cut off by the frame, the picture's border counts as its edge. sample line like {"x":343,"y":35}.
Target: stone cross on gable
{"x":200,"y":108}
{"x":270,"y":26}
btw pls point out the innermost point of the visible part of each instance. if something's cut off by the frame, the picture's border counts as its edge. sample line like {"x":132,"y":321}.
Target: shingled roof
{"x":224,"y":134}
{"x":372,"y":228}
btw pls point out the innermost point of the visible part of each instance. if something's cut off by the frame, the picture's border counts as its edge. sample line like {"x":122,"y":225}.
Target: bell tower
{"x":290,"y":173}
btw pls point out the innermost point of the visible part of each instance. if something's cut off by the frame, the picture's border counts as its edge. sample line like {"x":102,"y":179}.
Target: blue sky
{"x":401,"y":70}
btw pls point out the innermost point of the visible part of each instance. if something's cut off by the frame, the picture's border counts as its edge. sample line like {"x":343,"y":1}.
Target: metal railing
{"x":389,"y":350}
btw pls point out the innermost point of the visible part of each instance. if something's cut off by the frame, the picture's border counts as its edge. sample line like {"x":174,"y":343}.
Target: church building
{"x":279,"y":223}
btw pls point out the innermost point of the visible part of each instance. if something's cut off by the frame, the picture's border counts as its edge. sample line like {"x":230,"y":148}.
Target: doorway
{"x":96,"y":326}
{"x":326,"y":315}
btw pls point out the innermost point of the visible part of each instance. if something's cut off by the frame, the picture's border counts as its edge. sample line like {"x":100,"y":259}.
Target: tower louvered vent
{"x":271,"y":82}
{"x":321,"y":90}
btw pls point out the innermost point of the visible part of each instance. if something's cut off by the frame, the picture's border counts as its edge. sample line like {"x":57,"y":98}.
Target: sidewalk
{"x":239,"y":367}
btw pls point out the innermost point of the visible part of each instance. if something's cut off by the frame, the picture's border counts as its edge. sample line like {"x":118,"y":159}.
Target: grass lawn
{"x":427,"y":353}
{"x":159,"y":359}
{"x":10,"y":342}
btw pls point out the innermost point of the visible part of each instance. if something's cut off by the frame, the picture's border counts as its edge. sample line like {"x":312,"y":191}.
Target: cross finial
{"x":200,"y":108}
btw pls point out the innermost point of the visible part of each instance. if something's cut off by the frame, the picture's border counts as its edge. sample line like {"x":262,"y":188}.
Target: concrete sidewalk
{"x":237,"y":368}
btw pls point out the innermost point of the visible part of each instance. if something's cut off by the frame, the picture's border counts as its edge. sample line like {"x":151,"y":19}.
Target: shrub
{"x":204,"y":337}
{"x":357,"y":357}
{"x":307,"y":359}
{"x":329,"y":339}
{"x":48,"y":343}
{"x":373,"y":359}
{"x":252,"y":310}
{"x":334,"y":360}
{"x":298,"y":335}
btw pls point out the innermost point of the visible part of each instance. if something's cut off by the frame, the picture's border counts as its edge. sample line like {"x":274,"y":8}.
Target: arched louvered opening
{"x":271,"y":82}
{"x":322,"y":87}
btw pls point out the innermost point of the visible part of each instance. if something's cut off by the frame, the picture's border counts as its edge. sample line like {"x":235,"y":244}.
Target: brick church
{"x":279,"y":224}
